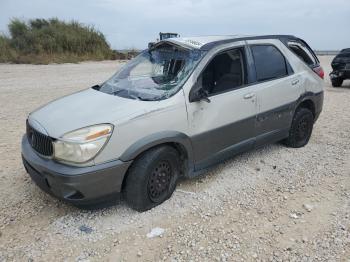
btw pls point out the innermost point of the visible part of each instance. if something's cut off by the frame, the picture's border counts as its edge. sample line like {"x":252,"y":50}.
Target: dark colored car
{"x":341,"y":68}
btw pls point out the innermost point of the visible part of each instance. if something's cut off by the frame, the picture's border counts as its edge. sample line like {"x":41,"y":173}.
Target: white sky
{"x":324,"y":24}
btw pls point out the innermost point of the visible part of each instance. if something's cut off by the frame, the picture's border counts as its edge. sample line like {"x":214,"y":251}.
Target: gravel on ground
{"x":269,"y":204}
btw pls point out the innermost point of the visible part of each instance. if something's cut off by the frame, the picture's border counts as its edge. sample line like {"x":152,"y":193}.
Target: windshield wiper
{"x":127,"y":94}
{"x":144,"y":99}
{"x":138,"y":97}
{"x":116,"y":92}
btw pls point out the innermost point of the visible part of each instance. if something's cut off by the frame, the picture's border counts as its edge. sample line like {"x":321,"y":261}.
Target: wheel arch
{"x":311,"y":101}
{"x":177,"y":140}
{"x":180,"y":141}
{"x":307,"y":103}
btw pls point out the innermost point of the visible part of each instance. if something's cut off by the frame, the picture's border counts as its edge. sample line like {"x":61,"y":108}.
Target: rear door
{"x":277,"y":90}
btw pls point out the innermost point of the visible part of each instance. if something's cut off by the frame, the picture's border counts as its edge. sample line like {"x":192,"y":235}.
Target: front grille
{"x":40,"y":143}
{"x":338,"y":66}
{"x":341,"y":66}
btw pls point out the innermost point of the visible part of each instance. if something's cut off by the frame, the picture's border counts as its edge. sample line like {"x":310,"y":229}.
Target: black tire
{"x":152,"y":178}
{"x":301,"y":128}
{"x":337,"y":82}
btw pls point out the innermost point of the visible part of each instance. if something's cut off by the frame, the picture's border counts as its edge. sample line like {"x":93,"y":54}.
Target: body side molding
{"x":186,"y":142}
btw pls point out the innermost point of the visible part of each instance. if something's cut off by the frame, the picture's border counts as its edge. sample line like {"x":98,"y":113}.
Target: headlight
{"x":83,"y":144}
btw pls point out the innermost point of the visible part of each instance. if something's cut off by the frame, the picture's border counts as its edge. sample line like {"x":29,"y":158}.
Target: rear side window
{"x":269,"y":62}
{"x":303,"y":53}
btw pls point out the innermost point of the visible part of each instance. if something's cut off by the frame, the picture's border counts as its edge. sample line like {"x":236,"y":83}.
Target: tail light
{"x":319,"y":71}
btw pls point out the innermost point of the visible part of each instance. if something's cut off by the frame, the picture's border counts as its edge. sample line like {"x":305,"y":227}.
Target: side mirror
{"x":204,"y":95}
{"x":198,"y":93}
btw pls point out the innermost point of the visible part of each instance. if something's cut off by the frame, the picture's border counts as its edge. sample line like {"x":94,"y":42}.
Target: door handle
{"x":248,"y":96}
{"x":294,"y":82}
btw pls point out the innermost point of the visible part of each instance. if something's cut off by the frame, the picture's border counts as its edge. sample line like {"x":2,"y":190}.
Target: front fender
{"x":157,"y":139}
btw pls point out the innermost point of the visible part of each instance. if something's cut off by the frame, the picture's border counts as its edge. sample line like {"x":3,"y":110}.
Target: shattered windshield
{"x":154,"y":74}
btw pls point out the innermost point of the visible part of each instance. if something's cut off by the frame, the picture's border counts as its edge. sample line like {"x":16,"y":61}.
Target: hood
{"x":86,"y":108}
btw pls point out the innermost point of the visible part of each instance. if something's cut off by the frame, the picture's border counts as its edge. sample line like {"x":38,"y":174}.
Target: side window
{"x":303,"y":53}
{"x":269,"y":62}
{"x":224,"y":72}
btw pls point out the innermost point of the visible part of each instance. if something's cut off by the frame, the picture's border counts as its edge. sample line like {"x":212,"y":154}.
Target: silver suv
{"x":178,"y":108}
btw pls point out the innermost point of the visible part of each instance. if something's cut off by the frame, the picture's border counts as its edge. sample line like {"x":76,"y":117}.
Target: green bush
{"x":52,"y":40}
{"x":7,"y":54}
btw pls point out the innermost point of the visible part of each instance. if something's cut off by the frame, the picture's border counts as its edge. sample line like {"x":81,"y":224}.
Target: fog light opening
{"x":75,"y":196}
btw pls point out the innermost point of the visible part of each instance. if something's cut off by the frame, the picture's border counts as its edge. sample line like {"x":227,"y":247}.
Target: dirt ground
{"x":270,"y":204}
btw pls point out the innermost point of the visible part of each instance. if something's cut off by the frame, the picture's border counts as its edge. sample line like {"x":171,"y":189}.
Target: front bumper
{"x":78,"y":185}
{"x":343,"y":74}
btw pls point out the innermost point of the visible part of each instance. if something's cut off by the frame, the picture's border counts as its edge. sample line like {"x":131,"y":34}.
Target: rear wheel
{"x":301,"y":128}
{"x":152,"y":178}
{"x":337,"y":82}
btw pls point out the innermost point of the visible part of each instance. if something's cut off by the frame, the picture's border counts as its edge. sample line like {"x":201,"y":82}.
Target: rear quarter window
{"x":303,"y":53}
{"x":269,"y":62}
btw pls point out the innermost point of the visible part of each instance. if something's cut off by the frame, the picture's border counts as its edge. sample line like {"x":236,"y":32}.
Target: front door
{"x":226,"y":124}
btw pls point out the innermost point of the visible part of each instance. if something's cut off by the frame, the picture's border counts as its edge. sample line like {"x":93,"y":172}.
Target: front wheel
{"x":301,"y":128}
{"x":337,"y":82}
{"x":152,"y":178}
